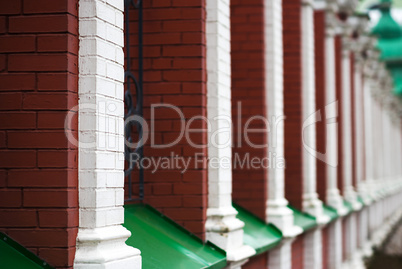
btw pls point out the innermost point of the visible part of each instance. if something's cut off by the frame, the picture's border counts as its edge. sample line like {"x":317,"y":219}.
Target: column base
{"x":334,"y":199}
{"x":105,"y":248}
{"x":351,"y":197}
{"x":282,"y":217}
{"x":364,"y":194}
{"x":226,"y":231}
{"x":313,"y":206}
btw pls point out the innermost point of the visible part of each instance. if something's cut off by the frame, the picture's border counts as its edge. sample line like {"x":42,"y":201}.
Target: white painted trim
{"x":335,"y":244}
{"x":276,"y":207}
{"x":313,"y":249}
{"x":346,"y":158}
{"x":333,"y":198}
{"x":281,"y":256}
{"x":222,"y":226}
{"x":101,"y":237}
{"x":311,"y":203}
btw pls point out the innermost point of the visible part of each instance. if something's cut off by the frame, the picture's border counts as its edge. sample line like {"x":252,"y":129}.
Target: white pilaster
{"x":101,"y":237}
{"x":368,"y":131}
{"x":359,"y":128}
{"x":313,"y":249}
{"x":276,"y":208}
{"x":222,"y":226}
{"x":281,"y":256}
{"x":335,"y":244}
{"x":333,"y":198}
{"x":311,"y":203}
{"x":346,"y":158}
{"x":351,"y":235}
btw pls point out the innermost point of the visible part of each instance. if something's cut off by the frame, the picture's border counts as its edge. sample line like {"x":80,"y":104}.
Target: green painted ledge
{"x":303,"y":220}
{"x":360,"y":199}
{"x":348,"y":206}
{"x":165,"y":244}
{"x":257,"y":234}
{"x":15,"y":256}
{"x":330,"y":212}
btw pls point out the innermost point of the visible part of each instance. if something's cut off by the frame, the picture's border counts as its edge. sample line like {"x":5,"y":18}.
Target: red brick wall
{"x":174,"y":73}
{"x":338,"y":79}
{"x":257,"y":262}
{"x":38,"y":167}
{"x":298,"y":253}
{"x":319,"y":35}
{"x":248,"y":89}
{"x":293,"y":101}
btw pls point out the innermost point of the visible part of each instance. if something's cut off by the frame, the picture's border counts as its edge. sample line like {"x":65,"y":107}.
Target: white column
{"x":351,"y":235}
{"x":281,"y":256}
{"x":311,"y":203}
{"x":335,"y":244}
{"x":346,"y":158}
{"x":313,"y":249}
{"x":333,"y":198}
{"x":359,"y":125}
{"x":222,"y":227}
{"x":101,"y":237}
{"x":368,"y":130}
{"x":276,"y":208}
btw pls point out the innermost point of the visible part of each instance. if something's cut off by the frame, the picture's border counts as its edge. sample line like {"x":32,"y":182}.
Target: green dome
{"x":386,"y":27}
{"x":391,"y":49}
{"x":389,"y":34}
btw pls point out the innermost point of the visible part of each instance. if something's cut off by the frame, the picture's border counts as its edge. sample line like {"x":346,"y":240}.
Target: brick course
{"x":292,"y":50}
{"x":248,"y":90}
{"x":38,"y":167}
{"x":174,"y":73}
{"x":319,"y":34}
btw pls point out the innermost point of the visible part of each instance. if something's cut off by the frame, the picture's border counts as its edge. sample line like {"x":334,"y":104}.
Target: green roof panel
{"x":348,"y":206}
{"x":257,"y":233}
{"x":165,"y":244}
{"x":303,"y":220}
{"x":330,"y":212}
{"x":15,"y":256}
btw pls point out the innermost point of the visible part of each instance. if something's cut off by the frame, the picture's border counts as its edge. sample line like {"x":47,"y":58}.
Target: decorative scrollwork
{"x":133,"y":106}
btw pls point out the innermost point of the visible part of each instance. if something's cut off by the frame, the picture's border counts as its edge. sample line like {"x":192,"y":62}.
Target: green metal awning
{"x":15,"y":256}
{"x":348,"y":206}
{"x":165,"y":244}
{"x":330,"y":212}
{"x":360,"y":199}
{"x":258,"y":234}
{"x":303,"y":220}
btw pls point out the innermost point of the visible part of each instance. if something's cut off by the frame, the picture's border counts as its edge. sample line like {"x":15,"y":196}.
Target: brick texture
{"x":293,"y":101}
{"x":248,"y":92}
{"x":257,"y":262}
{"x":38,"y":167}
{"x":298,"y":253}
{"x":338,"y":78}
{"x":174,"y":73}
{"x":319,"y":35}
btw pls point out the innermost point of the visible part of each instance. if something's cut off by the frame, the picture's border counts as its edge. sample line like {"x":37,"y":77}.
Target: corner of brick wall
{"x":38,"y":167}
{"x":293,"y":101}
{"x":174,"y":54}
{"x":319,"y":35}
{"x":248,"y":90}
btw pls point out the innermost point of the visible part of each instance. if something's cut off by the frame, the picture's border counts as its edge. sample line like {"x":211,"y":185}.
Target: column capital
{"x":332,"y":22}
